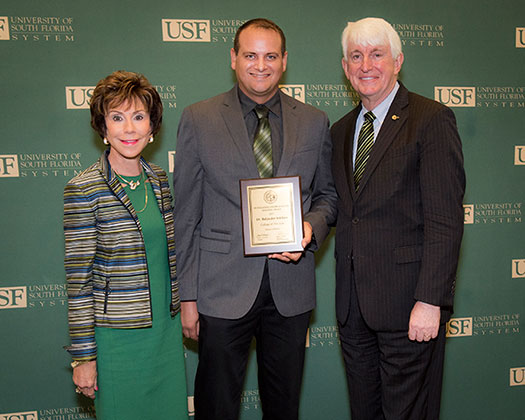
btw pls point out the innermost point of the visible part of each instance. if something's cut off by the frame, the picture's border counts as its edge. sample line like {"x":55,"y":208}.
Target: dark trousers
{"x":224,"y":345}
{"x":390,"y":377}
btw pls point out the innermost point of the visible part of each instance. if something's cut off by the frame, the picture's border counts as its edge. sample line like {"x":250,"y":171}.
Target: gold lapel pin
{"x":395,"y":117}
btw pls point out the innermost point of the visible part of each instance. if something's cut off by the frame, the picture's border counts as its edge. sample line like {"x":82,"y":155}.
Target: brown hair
{"x":263,"y":24}
{"x":119,"y":87}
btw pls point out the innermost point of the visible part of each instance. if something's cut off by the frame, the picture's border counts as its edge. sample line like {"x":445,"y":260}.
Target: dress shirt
{"x":379,"y":111}
{"x":275,"y":118}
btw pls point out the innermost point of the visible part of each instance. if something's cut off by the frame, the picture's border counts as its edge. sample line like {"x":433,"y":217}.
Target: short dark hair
{"x":119,"y":87}
{"x":263,"y":24}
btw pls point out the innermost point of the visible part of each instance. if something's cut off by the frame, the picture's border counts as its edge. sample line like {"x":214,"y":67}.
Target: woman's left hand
{"x":85,"y":378}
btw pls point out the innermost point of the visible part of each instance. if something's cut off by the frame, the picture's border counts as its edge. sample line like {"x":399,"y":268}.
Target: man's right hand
{"x":190,"y":319}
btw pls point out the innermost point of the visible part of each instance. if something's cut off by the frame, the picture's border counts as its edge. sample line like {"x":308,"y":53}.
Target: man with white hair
{"x":398,"y":170}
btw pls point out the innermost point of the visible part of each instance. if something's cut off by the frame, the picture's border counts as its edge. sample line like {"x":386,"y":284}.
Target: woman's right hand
{"x":85,"y":378}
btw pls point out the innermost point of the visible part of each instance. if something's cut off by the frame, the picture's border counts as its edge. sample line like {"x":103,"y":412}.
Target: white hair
{"x":371,"y":31}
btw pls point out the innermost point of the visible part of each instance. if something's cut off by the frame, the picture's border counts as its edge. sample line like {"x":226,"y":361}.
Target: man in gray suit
{"x":228,"y":298}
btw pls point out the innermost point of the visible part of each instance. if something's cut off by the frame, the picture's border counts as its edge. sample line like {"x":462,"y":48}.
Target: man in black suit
{"x":398,"y":170}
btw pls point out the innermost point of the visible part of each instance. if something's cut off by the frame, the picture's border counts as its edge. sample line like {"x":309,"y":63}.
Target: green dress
{"x":141,"y":372}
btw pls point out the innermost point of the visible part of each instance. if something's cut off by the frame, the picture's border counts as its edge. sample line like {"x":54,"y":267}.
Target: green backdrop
{"x":467,"y":54}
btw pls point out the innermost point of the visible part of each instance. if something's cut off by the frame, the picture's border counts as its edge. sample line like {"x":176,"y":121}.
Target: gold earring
{"x":151,"y":139}
{"x":105,"y":141}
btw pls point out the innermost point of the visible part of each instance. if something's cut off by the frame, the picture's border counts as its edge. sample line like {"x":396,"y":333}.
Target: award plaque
{"x":272,"y":216}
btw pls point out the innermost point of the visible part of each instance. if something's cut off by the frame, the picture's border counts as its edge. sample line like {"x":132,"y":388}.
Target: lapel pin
{"x":395,"y":117}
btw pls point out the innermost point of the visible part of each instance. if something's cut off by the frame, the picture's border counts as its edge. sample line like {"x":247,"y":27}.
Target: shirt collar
{"x":381,"y":110}
{"x":248,"y":105}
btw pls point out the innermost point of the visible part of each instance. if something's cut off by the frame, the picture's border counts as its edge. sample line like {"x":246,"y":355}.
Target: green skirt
{"x":141,"y":373}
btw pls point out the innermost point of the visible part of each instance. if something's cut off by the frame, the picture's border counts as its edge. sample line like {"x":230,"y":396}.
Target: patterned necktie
{"x":262,"y":143}
{"x":365,"y":142}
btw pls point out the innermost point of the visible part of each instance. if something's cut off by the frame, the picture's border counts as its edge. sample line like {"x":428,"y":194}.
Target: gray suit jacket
{"x":213,"y":153}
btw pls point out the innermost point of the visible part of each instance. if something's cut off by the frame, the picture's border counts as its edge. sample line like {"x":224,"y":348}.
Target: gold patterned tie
{"x":262,"y":143}
{"x":365,"y":142}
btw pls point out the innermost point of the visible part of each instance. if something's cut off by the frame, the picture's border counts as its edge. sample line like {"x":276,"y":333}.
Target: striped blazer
{"x":105,"y":256}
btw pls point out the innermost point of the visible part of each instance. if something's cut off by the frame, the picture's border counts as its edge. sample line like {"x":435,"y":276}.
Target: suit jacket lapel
{"x":394,"y":120}
{"x":115,"y":186}
{"x":290,"y":133}
{"x":233,"y":118}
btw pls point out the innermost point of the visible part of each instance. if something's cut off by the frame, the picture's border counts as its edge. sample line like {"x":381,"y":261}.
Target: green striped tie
{"x":365,"y":142}
{"x":262,"y":143}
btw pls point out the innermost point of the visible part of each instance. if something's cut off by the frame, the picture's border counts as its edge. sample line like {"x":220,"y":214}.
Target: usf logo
{"x":459,"y":327}
{"x":295,"y":91}
{"x":518,"y":269}
{"x":454,"y":96}
{"x":171,"y":160}
{"x":185,"y":30}
{"x":13,"y":297}
{"x":517,"y":376}
{"x":468,"y":211}
{"x":78,"y":97}
{"x":307,"y":338}
{"x":27,"y":415}
{"x":9,"y":166}
{"x":4,"y":28}
{"x":520,"y":37}
{"x":519,"y":155}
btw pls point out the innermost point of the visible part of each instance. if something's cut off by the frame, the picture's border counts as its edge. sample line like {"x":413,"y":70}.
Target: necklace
{"x":134,"y":184}
{"x":145,"y":199}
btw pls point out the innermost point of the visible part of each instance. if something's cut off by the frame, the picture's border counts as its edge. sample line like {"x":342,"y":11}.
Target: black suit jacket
{"x":402,"y":229}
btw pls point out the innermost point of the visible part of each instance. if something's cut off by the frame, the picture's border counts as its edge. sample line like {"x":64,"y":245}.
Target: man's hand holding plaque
{"x":296,"y":256}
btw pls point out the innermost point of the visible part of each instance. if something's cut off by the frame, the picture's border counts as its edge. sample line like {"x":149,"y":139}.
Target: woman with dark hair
{"x":124,"y":322}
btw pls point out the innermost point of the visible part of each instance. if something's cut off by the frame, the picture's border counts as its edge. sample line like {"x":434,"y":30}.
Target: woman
{"x":120,"y":264}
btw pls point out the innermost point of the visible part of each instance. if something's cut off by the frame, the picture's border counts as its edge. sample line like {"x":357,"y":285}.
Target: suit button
{"x":355,"y":220}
